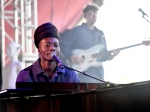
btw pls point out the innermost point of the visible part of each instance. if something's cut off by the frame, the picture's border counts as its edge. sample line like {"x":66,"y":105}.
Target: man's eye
{"x":47,"y":45}
{"x":56,"y":45}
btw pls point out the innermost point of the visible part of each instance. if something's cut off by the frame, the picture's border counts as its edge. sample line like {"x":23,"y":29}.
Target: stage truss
{"x":21,"y":16}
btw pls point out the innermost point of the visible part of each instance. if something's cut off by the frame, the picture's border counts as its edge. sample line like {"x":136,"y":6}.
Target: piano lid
{"x":58,"y":86}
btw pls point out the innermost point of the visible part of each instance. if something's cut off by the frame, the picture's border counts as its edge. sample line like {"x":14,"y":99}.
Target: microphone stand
{"x":145,"y":18}
{"x":84,"y":73}
{"x":143,"y":14}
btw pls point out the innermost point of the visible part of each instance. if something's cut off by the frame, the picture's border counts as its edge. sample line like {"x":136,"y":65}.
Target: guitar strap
{"x":101,"y":36}
{"x":102,"y":39}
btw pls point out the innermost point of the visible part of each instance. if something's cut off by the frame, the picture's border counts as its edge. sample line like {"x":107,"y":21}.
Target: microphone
{"x":143,"y":12}
{"x":59,"y":62}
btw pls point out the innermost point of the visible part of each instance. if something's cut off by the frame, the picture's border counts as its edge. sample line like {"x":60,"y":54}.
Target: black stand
{"x":84,"y":73}
{"x":144,"y":14}
{"x":145,"y":19}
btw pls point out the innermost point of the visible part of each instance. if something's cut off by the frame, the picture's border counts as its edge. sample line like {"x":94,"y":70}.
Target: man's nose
{"x":51,"y":47}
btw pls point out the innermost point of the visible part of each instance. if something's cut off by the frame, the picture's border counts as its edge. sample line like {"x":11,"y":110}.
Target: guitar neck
{"x":123,"y":48}
{"x":101,"y":54}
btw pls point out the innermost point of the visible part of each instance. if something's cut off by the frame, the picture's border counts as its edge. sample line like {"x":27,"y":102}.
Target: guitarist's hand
{"x":76,"y":59}
{"x":114,"y":53}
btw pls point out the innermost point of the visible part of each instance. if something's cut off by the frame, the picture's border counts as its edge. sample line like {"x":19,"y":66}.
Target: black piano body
{"x":72,"y":97}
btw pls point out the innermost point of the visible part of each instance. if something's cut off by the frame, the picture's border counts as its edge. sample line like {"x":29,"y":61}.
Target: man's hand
{"x":76,"y":59}
{"x":114,"y":53}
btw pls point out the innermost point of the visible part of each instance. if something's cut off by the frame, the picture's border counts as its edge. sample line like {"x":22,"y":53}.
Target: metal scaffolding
{"x":21,"y":16}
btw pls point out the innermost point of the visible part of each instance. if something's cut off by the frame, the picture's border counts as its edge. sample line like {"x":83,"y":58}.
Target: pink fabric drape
{"x":62,"y":13}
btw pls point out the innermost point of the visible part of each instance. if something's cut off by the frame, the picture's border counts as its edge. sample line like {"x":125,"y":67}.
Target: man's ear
{"x":39,"y":51}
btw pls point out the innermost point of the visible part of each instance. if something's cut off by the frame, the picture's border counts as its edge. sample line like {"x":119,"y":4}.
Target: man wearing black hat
{"x":46,"y":68}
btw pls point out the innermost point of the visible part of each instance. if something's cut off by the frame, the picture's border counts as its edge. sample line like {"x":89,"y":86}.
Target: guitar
{"x":91,"y":55}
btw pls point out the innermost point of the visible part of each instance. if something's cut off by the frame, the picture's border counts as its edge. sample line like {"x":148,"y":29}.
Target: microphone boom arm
{"x":143,"y":14}
{"x":84,"y":73}
{"x":61,"y":65}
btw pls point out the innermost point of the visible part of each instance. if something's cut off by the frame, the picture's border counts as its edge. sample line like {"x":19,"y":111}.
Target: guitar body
{"x":87,"y":56}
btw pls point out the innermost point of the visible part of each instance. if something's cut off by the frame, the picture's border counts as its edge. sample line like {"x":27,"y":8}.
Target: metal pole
{"x":2,"y":45}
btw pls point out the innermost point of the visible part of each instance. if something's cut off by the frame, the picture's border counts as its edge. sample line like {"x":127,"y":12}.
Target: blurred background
{"x":121,"y":21}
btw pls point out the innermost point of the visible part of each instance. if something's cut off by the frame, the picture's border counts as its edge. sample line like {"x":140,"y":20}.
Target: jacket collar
{"x":37,"y":69}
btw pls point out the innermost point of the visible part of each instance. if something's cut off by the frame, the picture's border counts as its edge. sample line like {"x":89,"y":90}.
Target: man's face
{"x":47,"y":46}
{"x":91,"y":16}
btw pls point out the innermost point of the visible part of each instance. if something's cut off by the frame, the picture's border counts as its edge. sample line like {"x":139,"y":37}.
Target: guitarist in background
{"x":85,"y":37}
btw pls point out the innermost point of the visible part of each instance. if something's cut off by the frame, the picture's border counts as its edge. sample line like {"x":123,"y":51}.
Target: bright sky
{"x":123,"y":25}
